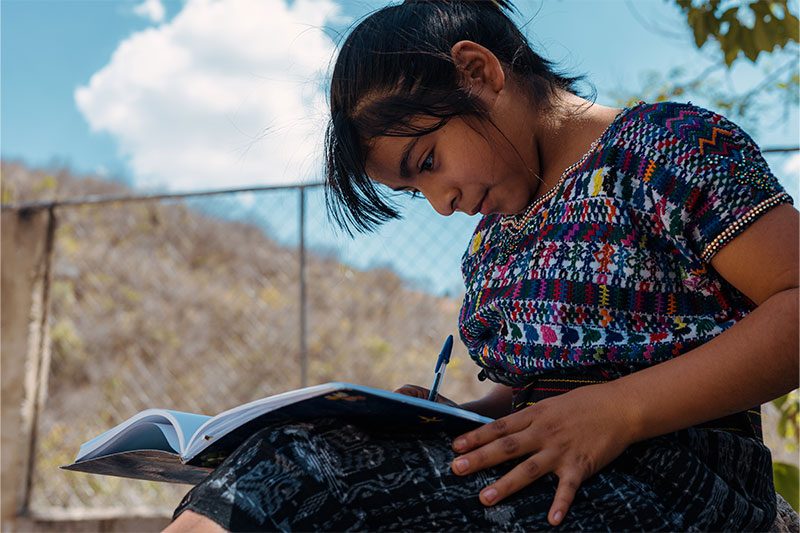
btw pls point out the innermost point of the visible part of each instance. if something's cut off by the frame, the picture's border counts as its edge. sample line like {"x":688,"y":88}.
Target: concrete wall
{"x":23,"y":347}
{"x":108,"y":525}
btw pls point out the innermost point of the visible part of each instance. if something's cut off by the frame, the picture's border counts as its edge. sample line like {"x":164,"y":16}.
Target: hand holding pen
{"x":422,"y":392}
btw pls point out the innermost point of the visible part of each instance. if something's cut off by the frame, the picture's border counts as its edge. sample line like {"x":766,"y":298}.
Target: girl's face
{"x":456,"y":168}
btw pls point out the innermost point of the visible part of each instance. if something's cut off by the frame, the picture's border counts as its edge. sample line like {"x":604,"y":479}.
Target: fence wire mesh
{"x":203,"y":303}
{"x":195,"y":305}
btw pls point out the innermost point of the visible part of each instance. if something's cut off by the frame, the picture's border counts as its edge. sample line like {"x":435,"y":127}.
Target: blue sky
{"x":52,"y":47}
{"x":206,"y":95}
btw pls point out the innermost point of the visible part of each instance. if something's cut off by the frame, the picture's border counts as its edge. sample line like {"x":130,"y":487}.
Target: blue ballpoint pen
{"x":441,"y":363}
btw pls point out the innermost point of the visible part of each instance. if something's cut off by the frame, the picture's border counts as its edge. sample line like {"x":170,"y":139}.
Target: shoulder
{"x":704,"y":175}
{"x":690,"y":131}
{"x":678,"y":118}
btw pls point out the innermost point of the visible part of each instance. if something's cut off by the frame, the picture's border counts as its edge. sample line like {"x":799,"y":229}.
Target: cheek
{"x":480,"y":166}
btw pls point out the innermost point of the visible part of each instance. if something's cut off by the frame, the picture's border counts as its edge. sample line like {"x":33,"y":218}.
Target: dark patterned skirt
{"x":325,"y":475}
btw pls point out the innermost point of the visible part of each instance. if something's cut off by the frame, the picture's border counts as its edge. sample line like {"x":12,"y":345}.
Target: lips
{"x":478,"y":208}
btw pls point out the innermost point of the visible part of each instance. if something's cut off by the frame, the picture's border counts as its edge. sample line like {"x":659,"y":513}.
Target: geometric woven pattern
{"x":611,"y":267}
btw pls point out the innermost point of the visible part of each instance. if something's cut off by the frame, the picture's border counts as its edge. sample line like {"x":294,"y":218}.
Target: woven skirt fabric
{"x":326,"y":475}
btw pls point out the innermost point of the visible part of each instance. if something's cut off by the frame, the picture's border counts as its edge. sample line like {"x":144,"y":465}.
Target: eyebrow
{"x":404,"y":172}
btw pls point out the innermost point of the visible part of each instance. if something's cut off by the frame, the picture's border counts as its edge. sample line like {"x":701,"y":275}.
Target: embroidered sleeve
{"x":719,"y":183}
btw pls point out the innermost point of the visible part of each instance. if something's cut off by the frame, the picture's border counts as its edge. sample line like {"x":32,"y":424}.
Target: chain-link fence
{"x":201,"y":303}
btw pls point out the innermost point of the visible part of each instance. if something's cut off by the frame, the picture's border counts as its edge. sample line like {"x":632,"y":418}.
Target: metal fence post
{"x":303,"y":301}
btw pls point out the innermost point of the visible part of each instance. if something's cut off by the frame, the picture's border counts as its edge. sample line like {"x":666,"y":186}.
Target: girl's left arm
{"x":576,"y":434}
{"x":752,"y":362}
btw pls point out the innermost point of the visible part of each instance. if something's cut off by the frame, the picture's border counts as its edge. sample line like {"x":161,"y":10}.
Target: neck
{"x":565,"y":134}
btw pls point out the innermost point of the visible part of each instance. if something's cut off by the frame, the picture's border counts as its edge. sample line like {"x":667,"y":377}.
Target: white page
{"x":233,"y":418}
{"x":133,"y":432}
{"x":188,"y":424}
{"x":170,"y":435}
{"x":146,"y":435}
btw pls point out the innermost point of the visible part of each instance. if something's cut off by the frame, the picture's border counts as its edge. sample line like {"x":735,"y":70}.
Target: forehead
{"x":384,"y":155}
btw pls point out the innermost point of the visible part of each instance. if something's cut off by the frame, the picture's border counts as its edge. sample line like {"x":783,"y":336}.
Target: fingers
{"x":491,"y":432}
{"x":568,"y":484}
{"x":413,"y":390}
{"x":422,"y":392}
{"x":518,"y":478}
{"x":528,"y":471}
{"x":501,"y":449}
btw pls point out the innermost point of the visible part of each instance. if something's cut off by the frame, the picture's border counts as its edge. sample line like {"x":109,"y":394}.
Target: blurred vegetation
{"x":763,"y":33}
{"x":787,"y":476}
{"x":749,"y":28}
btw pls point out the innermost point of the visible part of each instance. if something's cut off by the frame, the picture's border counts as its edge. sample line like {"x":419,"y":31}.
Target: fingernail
{"x":557,"y":517}
{"x":489,"y":495}
{"x":461,"y":465}
{"x":459,"y":443}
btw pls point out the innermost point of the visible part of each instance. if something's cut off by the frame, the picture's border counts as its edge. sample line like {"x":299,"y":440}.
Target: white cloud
{"x":151,"y":9}
{"x":227,"y":93}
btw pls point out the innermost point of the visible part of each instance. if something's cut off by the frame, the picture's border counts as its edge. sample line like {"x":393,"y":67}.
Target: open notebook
{"x":164,"y":445}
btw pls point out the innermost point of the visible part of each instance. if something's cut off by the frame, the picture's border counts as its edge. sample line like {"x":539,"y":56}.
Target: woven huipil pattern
{"x":613,"y":270}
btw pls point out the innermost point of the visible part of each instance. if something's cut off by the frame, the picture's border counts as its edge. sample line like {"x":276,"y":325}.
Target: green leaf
{"x":730,"y":17}
{"x":748,"y":46}
{"x":696,"y":21}
{"x":792,"y":30}
{"x":730,"y":45}
{"x":761,"y":9}
{"x":761,"y":37}
{"x":711,"y":22}
{"x":786,"y":478}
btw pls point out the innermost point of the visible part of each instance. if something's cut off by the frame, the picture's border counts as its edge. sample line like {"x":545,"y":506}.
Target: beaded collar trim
{"x":513,"y":226}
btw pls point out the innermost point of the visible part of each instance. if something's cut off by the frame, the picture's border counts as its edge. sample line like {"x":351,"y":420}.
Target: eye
{"x":427,"y":165}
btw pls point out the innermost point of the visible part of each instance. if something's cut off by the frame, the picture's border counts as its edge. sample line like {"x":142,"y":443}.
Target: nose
{"x":442,"y":200}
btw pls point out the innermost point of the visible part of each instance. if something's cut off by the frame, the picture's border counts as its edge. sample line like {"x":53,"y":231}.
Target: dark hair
{"x":396,"y":65}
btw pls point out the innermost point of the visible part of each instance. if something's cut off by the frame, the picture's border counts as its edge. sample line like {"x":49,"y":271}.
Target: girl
{"x":631,"y":289}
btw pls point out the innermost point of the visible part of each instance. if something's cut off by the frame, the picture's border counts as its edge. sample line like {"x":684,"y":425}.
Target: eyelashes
{"x":427,"y":164}
{"x":413,"y":193}
{"x":410,"y":191}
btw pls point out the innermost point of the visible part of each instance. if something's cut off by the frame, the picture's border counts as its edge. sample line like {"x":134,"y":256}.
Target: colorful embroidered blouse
{"x":613,"y":264}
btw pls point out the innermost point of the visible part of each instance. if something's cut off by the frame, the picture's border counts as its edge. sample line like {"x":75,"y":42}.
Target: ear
{"x":480,"y":69}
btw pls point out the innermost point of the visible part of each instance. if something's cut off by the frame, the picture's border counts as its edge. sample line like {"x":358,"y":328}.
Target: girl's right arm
{"x":496,"y":404}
